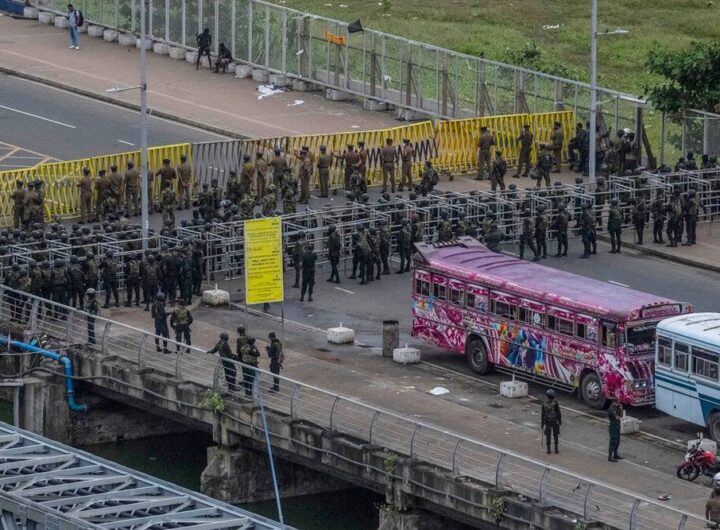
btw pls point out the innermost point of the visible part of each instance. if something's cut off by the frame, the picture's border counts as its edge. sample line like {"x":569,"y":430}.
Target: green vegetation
{"x":524,"y":31}
{"x":213,"y":401}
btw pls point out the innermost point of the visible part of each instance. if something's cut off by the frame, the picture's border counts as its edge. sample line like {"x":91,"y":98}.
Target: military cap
{"x":113,"y":168}
{"x":102,"y":172}
{"x":323,"y":148}
{"x":350,"y":146}
{"x":183,"y":157}
{"x":246,"y":156}
{"x":166,"y":160}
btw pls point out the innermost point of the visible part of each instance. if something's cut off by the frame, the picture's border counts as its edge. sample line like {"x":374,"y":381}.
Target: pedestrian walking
{"x":93,"y":310}
{"x":615,"y":414}
{"x":222,"y":348}
{"x":75,"y":21}
{"x":275,"y":352}
{"x":551,"y":419}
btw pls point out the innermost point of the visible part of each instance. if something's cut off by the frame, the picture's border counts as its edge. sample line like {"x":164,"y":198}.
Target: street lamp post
{"x":593,"y":94}
{"x":144,"y":191}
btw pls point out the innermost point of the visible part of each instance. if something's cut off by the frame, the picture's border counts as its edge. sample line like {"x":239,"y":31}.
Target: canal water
{"x":181,"y":458}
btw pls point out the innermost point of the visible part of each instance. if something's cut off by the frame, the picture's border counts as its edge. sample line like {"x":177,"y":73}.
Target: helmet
{"x":59,"y":262}
{"x":550,"y":393}
{"x":241,"y":329}
{"x":109,"y":253}
{"x":73,"y":259}
{"x":613,"y":202}
{"x":332,"y":228}
{"x":161,"y":297}
{"x":526,"y":212}
{"x":90,"y":292}
{"x":224,"y":336}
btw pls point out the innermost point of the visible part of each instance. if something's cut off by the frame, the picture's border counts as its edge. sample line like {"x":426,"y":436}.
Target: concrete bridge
{"x":429,"y":475}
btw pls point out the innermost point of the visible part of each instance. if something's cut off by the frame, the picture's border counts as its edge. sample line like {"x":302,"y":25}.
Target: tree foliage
{"x":691,"y":78}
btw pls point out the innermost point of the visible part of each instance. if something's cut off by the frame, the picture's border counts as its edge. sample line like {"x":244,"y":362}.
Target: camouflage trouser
{"x":132,"y":201}
{"x":168,"y":214}
{"x":495,"y":181}
{"x":18,"y":212}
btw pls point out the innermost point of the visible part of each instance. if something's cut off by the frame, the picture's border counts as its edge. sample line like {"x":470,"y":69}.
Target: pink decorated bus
{"x":560,"y":328}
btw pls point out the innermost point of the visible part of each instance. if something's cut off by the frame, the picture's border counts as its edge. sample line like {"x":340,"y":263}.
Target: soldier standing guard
{"x":133,"y":279}
{"x":132,"y":189}
{"x":159,"y":315}
{"x":558,"y":139}
{"x":18,"y":197}
{"x":308,"y":273}
{"x":222,"y":348}
{"x":526,"y":144}
{"x":614,"y":227}
{"x":184,"y":172}
{"x":404,"y":244}
{"x":658,"y":216}
{"x":261,"y":171}
{"x":93,"y":310}
{"x":275,"y":352}
{"x":110,"y":280}
{"x":298,"y":252}
{"x":527,"y":237}
{"x":166,"y":173}
{"x":497,"y":175}
{"x":551,"y":419}
{"x":323,"y":165}
{"x":249,"y":357}
{"x":389,"y":157}
{"x":167,"y":202}
{"x":180,"y":321}
{"x":541,"y":224}
{"x":485,"y":144}
{"x":279,"y":165}
{"x":615,"y":414}
{"x":117,"y":185}
{"x":408,"y":154}
{"x":334,"y":245}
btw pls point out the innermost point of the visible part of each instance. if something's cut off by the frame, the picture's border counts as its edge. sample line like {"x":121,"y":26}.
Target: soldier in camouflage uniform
{"x":544,"y":165}
{"x":222,"y":348}
{"x":691,"y":218}
{"x":150,"y":280}
{"x":334,"y":246}
{"x":159,"y":315}
{"x":527,"y":237}
{"x":249,"y":357}
{"x":551,"y":419}
{"x":404,"y":245}
{"x":269,"y":202}
{"x":497,"y":175}
{"x":444,"y":230}
{"x":167,"y":202}
{"x":110,"y":278}
{"x":232,"y":188}
{"x":247,"y":206}
{"x":561,"y":230}
{"x":76,"y":285}
{"x":615,"y":414}
{"x":614,"y":226}
{"x":133,"y":278}
{"x":90,"y":270}
{"x":541,"y":225}
{"x":385,"y":236}
{"x":180,"y":321}
{"x":60,"y":281}
{"x":288,"y":195}
{"x":658,"y":216}
{"x":586,"y":222}
{"x":375,"y":263}
{"x":298,"y":252}
{"x":93,"y":310}
{"x":638,"y":215}
{"x":308,"y":272}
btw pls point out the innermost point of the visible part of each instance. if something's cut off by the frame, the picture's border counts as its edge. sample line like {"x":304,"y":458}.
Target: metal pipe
{"x":145,"y":225}
{"x":62,"y":359}
{"x":593,"y":95}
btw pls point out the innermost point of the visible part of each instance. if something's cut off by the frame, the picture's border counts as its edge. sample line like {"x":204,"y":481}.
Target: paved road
{"x":39,"y":122}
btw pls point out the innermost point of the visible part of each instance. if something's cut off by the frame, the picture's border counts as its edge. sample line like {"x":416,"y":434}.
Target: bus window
{"x":503,"y":309}
{"x":561,"y":325}
{"x":704,"y":363}
{"x":439,"y":291}
{"x":456,"y":297}
{"x":681,"y":356}
{"x":534,"y":318}
{"x":422,"y":287}
{"x":664,"y":355}
{"x":470,"y":300}
{"x":608,"y":334}
{"x":580,"y":330}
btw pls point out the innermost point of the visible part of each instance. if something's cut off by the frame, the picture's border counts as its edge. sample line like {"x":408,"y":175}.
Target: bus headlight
{"x":640,"y":384}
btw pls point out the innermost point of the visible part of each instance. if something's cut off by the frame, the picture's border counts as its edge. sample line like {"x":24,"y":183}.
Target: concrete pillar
{"x":392,"y":519}
{"x":391,"y":337}
{"x":240,"y":475}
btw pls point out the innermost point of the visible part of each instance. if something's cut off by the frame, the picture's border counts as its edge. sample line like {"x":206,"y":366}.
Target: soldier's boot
{"x":611,"y":458}
{"x":310,"y":292}
{"x":556,"y":448}
{"x":548,"y":448}
{"x":107,"y":299}
{"x":157,"y":345}
{"x":616,"y":456}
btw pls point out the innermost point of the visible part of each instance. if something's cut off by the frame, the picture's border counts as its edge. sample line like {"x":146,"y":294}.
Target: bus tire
{"x":477,"y":356}
{"x":591,"y":391}
{"x":714,"y":426}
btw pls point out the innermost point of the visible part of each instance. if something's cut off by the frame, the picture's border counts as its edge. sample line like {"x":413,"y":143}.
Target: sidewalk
{"x":221,"y":103}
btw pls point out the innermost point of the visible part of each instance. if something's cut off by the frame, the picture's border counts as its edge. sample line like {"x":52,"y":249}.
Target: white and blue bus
{"x":687,"y":375}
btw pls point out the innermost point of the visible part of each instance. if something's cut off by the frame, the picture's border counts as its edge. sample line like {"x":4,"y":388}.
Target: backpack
{"x":79,"y":18}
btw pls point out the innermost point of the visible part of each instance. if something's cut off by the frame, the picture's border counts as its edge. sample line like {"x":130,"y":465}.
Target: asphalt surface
{"x":40,"y":123}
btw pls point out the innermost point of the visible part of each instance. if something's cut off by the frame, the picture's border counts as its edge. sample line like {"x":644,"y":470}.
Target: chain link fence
{"x":461,"y":457}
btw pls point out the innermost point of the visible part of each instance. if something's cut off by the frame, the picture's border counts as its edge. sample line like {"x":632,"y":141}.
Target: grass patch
{"x":496,"y":28}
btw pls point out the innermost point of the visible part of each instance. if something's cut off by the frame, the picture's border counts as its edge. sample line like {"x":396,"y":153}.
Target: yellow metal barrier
{"x":60,"y":179}
{"x":457,"y":140}
{"x":421,"y":136}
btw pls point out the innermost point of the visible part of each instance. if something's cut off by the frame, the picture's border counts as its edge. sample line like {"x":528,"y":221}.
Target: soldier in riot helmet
{"x":551,"y":419}
{"x":404,"y":245}
{"x":222,"y":348}
{"x":180,"y":321}
{"x":334,"y":246}
{"x":527,"y":237}
{"x":541,"y":226}
{"x":159,"y":315}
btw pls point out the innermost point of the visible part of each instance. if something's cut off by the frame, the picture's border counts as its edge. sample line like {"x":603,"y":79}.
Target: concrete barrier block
{"x":409,"y":115}
{"x":513,"y":389}
{"x":46,"y":18}
{"x":127,"y":39}
{"x":177,"y":53}
{"x":204,"y":61}
{"x":298,"y":85}
{"x":340,"y":335}
{"x":243,"y":71}
{"x":280,"y":80}
{"x":148,"y":43}
{"x":629,"y":425}
{"x":95,"y":31}
{"x":191,"y":57}
{"x":261,"y":76}
{"x":60,"y":21}
{"x":374,"y":105}
{"x":406,"y":355}
{"x":231,"y":68}
{"x":30,"y":12}
{"x":161,"y":48}
{"x":338,"y":95}
{"x":216,"y":297}
{"x":83,"y":28}
{"x":110,"y":35}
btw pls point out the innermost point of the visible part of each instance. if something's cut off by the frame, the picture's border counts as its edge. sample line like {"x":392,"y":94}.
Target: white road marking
{"x":314,"y":197}
{"x":344,"y":290}
{"x":38,"y":117}
{"x":126,"y":143}
{"x":618,"y":283}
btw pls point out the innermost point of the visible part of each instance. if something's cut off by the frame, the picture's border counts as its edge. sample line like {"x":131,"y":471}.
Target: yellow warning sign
{"x":263,"y":261}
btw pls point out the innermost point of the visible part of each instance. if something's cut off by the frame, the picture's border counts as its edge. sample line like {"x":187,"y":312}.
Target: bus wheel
{"x":477,"y":357}
{"x":714,"y":426}
{"x":591,"y":391}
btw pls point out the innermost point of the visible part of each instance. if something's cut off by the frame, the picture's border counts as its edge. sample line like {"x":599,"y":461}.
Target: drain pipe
{"x":62,"y":359}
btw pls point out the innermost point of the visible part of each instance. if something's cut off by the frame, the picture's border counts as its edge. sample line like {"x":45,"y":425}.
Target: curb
{"x":132,"y":106}
{"x":667,"y":257}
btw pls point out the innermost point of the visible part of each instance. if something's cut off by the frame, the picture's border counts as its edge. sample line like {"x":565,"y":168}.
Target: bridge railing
{"x":587,"y":499}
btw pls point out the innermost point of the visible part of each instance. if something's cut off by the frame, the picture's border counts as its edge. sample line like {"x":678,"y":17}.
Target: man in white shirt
{"x":73,"y":17}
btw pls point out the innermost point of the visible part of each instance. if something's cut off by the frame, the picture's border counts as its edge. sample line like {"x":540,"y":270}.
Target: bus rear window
{"x":641,"y":337}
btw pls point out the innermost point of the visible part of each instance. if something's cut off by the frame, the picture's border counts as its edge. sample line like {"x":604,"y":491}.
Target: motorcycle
{"x":698,"y":462}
